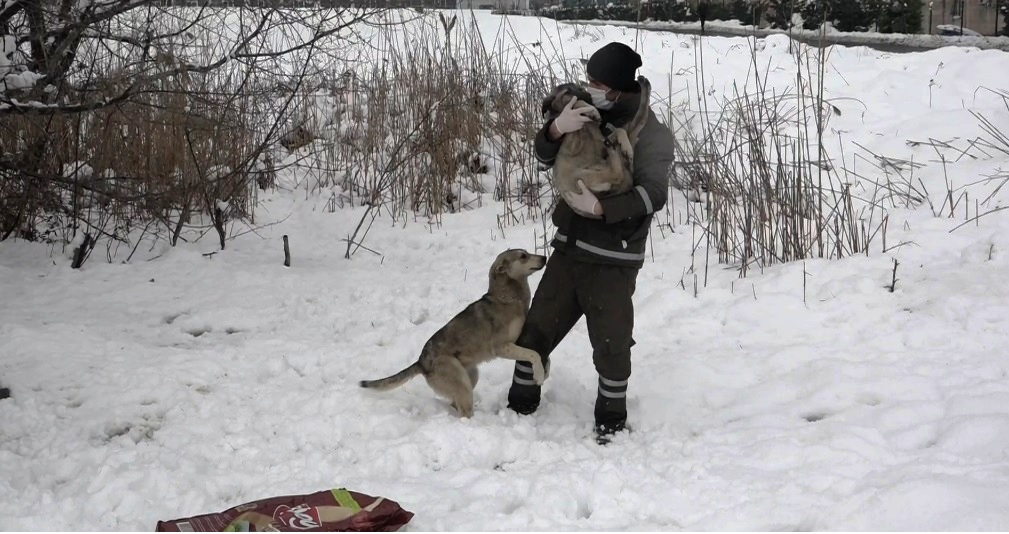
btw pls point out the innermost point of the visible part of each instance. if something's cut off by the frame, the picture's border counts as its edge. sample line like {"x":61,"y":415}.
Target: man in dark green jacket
{"x":599,"y":245}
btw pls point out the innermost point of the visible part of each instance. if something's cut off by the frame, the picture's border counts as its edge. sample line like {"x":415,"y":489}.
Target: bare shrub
{"x":173,"y":118}
{"x":123,"y":114}
{"x":470,"y":119}
{"x":433,"y":117}
{"x":769,"y":190}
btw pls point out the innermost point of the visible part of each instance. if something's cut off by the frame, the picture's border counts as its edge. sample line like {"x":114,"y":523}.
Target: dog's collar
{"x":504,"y":300}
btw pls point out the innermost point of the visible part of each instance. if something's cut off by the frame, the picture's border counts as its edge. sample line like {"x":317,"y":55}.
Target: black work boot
{"x":524,"y":395}
{"x":611,"y":409}
{"x":606,"y":427}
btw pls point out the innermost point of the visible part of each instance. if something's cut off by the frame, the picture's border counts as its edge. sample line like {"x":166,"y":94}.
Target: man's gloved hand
{"x":571,"y":120}
{"x":585,"y":203}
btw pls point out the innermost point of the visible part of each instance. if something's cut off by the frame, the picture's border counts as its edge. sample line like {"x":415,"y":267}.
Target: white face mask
{"x":599,"y":98}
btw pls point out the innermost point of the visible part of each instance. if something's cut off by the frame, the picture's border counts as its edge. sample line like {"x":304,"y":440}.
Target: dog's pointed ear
{"x":501,"y":268}
{"x":558,"y":102}
{"x":547,"y":105}
{"x":551,"y":100}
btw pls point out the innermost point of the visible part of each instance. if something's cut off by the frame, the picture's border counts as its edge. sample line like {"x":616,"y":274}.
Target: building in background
{"x":977,"y":15}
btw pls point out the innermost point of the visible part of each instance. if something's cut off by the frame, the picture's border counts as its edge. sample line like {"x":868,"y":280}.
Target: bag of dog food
{"x":337,"y":510}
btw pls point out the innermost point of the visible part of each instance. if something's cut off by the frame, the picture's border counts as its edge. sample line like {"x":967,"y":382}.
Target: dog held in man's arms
{"x":604,"y":163}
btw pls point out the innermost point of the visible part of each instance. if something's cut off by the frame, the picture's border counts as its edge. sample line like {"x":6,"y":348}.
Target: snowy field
{"x":806,"y":396}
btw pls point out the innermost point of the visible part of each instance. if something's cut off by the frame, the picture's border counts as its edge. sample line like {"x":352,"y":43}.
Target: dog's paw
{"x":600,"y":188}
{"x":464,"y":411}
{"x":539,"y":375}
{"x":592,"y":113}
{"x":623,"y":143}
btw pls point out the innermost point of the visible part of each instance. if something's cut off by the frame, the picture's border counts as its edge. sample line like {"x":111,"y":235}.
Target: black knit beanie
{"x":614,"y":65}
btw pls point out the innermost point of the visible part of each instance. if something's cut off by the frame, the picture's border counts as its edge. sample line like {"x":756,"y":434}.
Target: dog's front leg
{"x":512,"y":351}
{"x":624,"y":145}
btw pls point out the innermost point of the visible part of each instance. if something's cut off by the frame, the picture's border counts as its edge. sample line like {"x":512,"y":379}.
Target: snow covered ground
{"x":182,"y":384}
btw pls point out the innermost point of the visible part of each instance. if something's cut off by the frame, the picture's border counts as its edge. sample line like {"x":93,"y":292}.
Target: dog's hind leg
{"x":619,"y":175}
{"x":451,"y":380}
{"x":624,"y":146}
{"x":512,"y":351}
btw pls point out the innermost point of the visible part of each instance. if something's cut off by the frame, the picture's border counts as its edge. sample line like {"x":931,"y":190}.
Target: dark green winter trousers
{"x":568,"y":290}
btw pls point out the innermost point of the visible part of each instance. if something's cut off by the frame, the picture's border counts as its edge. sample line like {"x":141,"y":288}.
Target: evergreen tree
{"x":848,"y":15}
{"x":779,"y":13}
{"x":902,"y":16}
{"x":813,"y":13}
{"x":747,"y":12}
{"x":907,"y":16}
{"x":874,"y":11}
{"x":916,"y":16}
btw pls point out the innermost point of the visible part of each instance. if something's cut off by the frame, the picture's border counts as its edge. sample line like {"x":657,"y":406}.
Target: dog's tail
{"x":638,"y":122}
{"x":394,"y":381}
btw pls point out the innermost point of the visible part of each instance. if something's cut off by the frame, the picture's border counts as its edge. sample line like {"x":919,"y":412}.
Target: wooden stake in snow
{"x":287,"y":252}
{"x":81,"y":252}
{"x":893,"y":283}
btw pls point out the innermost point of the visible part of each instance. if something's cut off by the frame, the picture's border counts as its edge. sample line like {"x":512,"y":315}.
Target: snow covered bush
{"x":900,"y":16}
{"x":660,"y":10}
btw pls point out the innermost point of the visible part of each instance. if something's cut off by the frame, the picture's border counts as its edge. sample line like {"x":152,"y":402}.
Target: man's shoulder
{"x":655,"y":128}
{"x":656,"y":134}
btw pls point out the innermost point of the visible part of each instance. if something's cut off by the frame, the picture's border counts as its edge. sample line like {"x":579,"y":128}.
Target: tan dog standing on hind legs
{"x":484,"y":330}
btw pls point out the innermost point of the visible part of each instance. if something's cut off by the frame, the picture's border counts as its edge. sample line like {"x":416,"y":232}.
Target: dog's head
{"x":517,"y":264}
{"x":562,"y":94}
